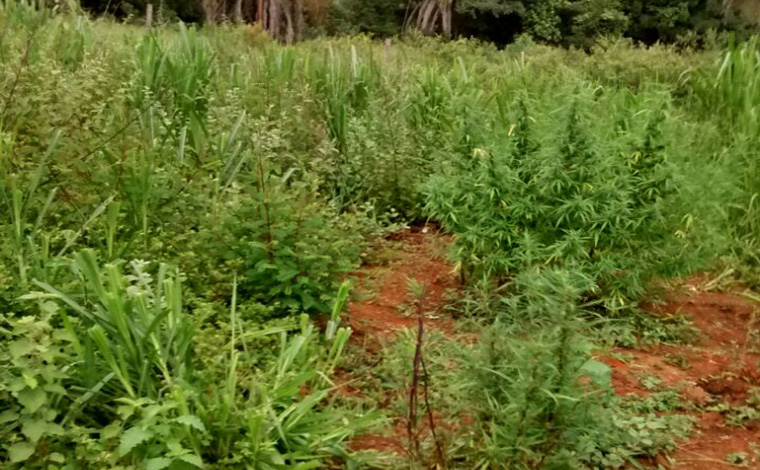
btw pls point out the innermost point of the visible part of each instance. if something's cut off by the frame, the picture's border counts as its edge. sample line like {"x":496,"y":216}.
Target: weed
{"x":741,"y":459}
{"x":291,"y":250}
{"x":678,"y":360}
{"x":173,"y":201}
{"x":747,"y":413}
{"x":578,"y":210}
{"x":650,"y":382}
{"x":659,"y":401}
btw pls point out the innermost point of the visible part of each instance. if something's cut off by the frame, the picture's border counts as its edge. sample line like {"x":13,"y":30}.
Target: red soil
{"x":711,"y":443}
{"x":725,"y":319}
{"x":389,"y":444}
{"x":377,"y":319}
{"x":380,"y":317}
{"x":721,"y":367}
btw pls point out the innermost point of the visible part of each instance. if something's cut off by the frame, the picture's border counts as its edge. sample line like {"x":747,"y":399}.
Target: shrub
{"x":379,"y":18}
{"x":116,"y":385}
{"x":515,"y":208}
{"x":34,"y":359}
{"x":289,"y":249}
{"x":539,"y":398}
{"x":733,"y":92}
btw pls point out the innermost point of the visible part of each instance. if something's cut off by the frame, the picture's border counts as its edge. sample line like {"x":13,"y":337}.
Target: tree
{"x":543,"y":21}
{"x":667,"y":20}
{"x":496,"y":8}
{"x":432,"y":16}
{"x":282,"y":19}
{"x":563,"y":22}
{"x":190,"y":11}
{"x":591,"y":19}
{"x":747,"y":10}
{"x":380,"y":18}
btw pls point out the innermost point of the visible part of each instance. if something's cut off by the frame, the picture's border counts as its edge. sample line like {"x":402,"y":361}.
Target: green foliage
{"x":261,"y":172}
{"x":496,"y":8}
{"x":178,"y":77}
{"x":157,"y":412}
{"x":666,"y":20}
{"x":544,"y":402}
{"x":33,"y":363}
{"x":733,"y":92}
{"x":596,"y":18}
{"x":185,"y":10}
{"x":140,"y":337}
{"x":582,"y":22}
{"x":515,"y":209}
{"x":543,"y":22}
{"x":536,"y":396}
{"x":74,"y":41}
{"x":569,"y":22}
{"x":344,"y":90}
{"x":744,"y":415}
{"x":379,"y":18}
{"x":289,"y":249}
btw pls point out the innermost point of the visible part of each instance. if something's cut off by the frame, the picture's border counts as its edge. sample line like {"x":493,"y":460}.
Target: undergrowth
{"x":178,"y":206}
{"x":527,"y":397}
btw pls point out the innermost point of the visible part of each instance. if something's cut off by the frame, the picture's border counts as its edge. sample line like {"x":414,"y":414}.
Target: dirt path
{"x":718,"y":375}
{"x":387,"y":306}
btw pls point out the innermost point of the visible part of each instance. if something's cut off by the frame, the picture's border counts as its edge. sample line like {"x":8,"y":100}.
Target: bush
{"x":517,"y":208}
{"x":289,"y":249}
{"x":379,"y":18}
{"x":116,"y":383}
{"x":34,"y":358}
{"x":262,"y":170}
{"x":539,"y":398}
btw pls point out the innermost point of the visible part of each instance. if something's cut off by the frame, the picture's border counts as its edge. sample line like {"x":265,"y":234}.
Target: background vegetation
{"x":177,"y":204}
{"x":578,"y":23}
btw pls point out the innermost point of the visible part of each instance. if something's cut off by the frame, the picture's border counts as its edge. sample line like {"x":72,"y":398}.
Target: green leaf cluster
{"x":522,"y":207}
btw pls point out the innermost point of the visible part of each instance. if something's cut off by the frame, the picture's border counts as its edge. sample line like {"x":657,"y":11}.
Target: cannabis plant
{"x":539,"y":397}
{"x":516,"y":207}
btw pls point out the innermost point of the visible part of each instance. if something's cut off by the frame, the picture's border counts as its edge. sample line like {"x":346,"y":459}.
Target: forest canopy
{"x":561,"y":22}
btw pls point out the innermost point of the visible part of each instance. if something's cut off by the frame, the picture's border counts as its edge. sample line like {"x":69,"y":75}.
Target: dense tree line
{"x":563,"y":22}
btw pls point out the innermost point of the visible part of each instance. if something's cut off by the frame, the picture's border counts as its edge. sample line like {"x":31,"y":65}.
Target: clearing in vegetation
{"x":223,"y":252}
{"x":712,"y":382}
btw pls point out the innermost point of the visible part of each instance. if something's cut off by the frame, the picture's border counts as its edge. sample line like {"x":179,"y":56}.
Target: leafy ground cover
{"x":208,"y":259}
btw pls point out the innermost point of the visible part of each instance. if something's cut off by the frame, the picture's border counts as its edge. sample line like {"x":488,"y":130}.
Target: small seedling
{"x":738,"y":458}
{"x":678,"y":360}
{"x":650,"y":382}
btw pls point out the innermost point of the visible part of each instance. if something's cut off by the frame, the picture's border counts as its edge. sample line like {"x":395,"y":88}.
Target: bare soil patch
{"x":389,"y":308}
{"x":722,"y":367}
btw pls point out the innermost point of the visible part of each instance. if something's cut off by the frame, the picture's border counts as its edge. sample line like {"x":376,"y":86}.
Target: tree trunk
{"x":427,"y":12}
{"x":433,"y":23}
{"x":433,"y":16}
{"x":238,"y":13}
{"x":211,"y":9}
{"x":262,"y":14}
{"x":446,"y":18}
{"x":289,"y":31}
{"x":274,"y":18}
{"x":300,"y":21}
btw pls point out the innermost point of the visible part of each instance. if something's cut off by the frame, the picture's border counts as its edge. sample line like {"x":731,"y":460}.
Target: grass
{"x":180,"y":204}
